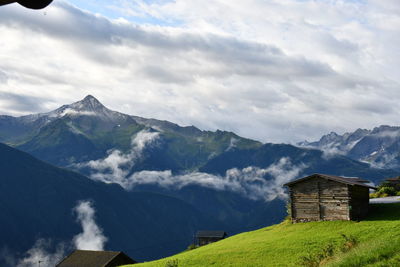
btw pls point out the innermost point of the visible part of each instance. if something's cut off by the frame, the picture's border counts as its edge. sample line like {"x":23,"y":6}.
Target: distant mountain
{"x":86,"y":130}
{"x":233,"y":180}
{"x":379,"y":147}
{"x":313,"y":160}
{"x":37,"y":199}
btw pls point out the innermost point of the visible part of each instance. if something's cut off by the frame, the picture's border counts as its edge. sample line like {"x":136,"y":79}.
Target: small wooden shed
{"x":393,"y":181}
{"x":207,"y":237}
{"x":89,"y":258}
{"x":321,"y":197}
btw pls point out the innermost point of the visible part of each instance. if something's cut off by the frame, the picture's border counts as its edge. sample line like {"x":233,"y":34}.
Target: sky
{"x":271,"y":70}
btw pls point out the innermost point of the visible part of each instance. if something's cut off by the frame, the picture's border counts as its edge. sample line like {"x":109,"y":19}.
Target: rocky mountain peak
{"x":331,"y":137}
{"x":385,"y":128}
{"x":89,"y":106}
{"x":89,"y":103}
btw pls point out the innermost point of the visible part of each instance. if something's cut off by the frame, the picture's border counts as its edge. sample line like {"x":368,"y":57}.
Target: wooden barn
{"x":321,"y":197}
{"x":88,"y":258}
{"x":207,"y":237}
{"x":393,"y":181}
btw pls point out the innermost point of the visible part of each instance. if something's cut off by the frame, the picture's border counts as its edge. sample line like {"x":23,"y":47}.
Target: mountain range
{"x":205,"y":178}
{"x":86,"y":130}
{"x":380,"y":147}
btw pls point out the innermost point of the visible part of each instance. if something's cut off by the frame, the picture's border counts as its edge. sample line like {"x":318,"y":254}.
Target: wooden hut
{"x":207,"y":237}
{"x":395,"y":182}
{"x":321,"y":197}
{"x":88,"y":258}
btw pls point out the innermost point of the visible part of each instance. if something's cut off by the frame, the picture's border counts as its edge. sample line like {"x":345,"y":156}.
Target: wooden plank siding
{"x":324,"y":197}
{"x":319,"y":199}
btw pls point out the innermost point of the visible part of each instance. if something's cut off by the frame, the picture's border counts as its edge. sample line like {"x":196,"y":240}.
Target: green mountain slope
{"x":377,"y":243}
{"x":86,"y":130}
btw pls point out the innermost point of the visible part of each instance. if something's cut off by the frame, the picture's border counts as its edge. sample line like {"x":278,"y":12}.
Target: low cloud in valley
{"x":92,"y":237}
{"x":251,"y":182}
{"x":47,"y":253}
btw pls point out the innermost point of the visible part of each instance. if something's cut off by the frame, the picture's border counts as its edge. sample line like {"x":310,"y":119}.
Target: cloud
{"x":73,"y":112}
{"x":40,"y":254}
{"x":92,"y":237}
{"x":3,"y":77}
{"x":331,"y":150}
{"x":251,"y":182}
{"x":276,"y":71}
{"x":390,"y":132}
{"x":116,"y":166}
{"x":385,"y":161}
{"x":19,"y":102}
{"x":232,"y":144}
{"x":47,"y":253}
{"x":229,"y":55}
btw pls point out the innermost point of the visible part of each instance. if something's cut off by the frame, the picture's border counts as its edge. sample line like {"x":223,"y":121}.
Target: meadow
{"x":374,"y":241}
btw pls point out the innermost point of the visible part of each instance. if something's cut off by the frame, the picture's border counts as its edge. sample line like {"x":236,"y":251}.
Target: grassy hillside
{"x":372,"y":242}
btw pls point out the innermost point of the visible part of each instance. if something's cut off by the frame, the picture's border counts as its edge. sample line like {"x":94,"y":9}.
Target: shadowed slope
{"x":37,"y":199}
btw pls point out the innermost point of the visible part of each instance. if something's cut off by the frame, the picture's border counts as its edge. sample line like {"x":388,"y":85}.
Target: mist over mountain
{"x":111,"y":146}
{"x":139,"y":153}
{"x":230,"y":181}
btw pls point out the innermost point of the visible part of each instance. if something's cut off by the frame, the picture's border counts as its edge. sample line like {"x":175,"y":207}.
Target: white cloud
{"x":251,"y":182}
{"x":116,"y":166}
{"x":40,"y":255}
{"x":272,"y":70}
{"x":232,"y":144}
{"x":47,"y":254}
{"x":3,"y":77}
{"x":73,"y":112}
{"x":92,"y":237}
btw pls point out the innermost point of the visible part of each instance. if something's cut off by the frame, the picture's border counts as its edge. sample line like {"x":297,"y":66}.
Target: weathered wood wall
{"x":319,"y":199}
{"x":207,"y":240}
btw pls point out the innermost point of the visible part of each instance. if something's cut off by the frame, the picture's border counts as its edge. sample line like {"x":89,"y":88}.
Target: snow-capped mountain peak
{"x":380,"y":147}
{"x":89,"y":106}
{"x":89,"y":103}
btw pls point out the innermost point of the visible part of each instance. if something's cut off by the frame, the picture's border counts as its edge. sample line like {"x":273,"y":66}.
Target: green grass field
{"x":377,"y":244}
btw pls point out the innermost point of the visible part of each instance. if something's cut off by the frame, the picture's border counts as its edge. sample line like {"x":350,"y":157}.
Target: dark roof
{"x":88,"y":258}
{"x":355,"y":179}
{"x":217,"y":234}
{"x":349,"y":181}
{"x":395,"y":179}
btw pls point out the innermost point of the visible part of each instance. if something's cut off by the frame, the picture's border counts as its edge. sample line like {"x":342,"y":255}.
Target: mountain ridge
{"x":105,"y":129}
{"x":235,"y":180}
{"x":379,"y":147}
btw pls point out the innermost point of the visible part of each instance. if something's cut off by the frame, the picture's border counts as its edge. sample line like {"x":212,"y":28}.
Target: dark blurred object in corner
{"x":33,"y":4}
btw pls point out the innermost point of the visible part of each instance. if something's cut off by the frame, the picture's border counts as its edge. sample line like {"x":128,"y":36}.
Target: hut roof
{"x":394,"y":179}
{"x":349,"y":181}
{"x":216,"y":234}
{"x":92,"y":258}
